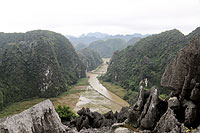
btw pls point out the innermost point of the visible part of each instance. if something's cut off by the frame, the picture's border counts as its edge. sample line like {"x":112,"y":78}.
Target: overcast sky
{"x":75,"y":17}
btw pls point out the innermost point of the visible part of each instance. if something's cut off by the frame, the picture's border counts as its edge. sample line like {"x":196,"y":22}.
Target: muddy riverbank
{"x":97,"y":97}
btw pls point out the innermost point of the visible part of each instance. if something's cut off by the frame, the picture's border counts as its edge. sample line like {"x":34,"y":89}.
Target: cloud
{"x":110,"y":16}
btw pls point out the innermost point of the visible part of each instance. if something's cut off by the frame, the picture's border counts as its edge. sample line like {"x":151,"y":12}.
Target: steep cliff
{"x":37,"y":63}
{"x":90,"y":58}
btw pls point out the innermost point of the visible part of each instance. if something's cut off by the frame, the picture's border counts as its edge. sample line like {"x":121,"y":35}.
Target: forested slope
{"x":146,"y":59}
{"x":36,"y":63}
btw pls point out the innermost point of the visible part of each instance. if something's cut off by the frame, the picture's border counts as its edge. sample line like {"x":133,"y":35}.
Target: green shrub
{"x":65,"y":113}
{"x":162,"y":96}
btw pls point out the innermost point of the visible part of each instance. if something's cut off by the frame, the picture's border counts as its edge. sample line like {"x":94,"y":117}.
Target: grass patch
{"x":163,"y":96}
{"x":82,"y":82}
{"x":18,"y":107}
{"x":116,"y":89}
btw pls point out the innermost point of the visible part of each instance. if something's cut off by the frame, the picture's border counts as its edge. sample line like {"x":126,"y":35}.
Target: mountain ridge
{"x":146,"y":59}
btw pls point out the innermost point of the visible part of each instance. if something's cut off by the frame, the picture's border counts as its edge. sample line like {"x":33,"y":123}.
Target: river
{"x":97,"y":97}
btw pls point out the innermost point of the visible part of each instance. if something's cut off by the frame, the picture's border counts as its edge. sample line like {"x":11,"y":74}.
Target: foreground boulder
{"x":41,"y":118}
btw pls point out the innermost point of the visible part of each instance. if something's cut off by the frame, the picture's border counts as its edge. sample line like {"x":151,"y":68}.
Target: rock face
{"x":41,"y":118}
{"x":183,"y":76}
{"x":185,"y":67}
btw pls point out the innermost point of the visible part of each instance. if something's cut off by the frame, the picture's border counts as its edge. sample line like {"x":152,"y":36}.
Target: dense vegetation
{"x":37,"y":63}
{"x":90,"y":58}
{"x":65,"y":113}
{"x":107,"y":48}
{"x":146,"y":59}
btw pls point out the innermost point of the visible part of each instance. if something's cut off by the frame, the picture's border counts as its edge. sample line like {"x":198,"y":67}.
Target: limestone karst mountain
{"x":36,"y":63}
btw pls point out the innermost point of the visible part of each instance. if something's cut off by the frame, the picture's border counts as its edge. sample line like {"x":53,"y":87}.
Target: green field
{"x":82,"y":82}
{"x":116,"y":89}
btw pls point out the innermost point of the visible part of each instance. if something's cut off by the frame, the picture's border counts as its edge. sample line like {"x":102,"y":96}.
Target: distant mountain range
{"x":91,"y":37}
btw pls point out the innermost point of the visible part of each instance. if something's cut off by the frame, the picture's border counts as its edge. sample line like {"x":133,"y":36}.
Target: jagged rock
{"x":41,"y":118}
{"x":168,"y":123}
{"x":133,"y":118}
{"x":195,"y":94}
{"x":98,"y":120}
{"x":152,"y":109}
{"x":140,"y":101}
{"x":190,"y":112}
{"x":173,"y":103}
{"x":151,"y":113}
{"x":184,"y":68}
{"x":86,"y":112}
{"x":183,"y":76}
{"x":109,"y":115}
{"x":90,"y":119}
{"x":123,"y":114}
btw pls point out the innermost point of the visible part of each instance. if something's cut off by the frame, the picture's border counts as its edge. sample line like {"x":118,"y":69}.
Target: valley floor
{"x":69,"y":98}
{"x":80,"y":95}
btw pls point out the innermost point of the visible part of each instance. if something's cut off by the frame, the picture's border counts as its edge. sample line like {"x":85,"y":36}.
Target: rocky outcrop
{"x":41,"y":118}
{"x":182,"y":108}
{"x":183,"y":76}
{"x":147,"y":110}
{"x":88,"y":119}
{"x":169,"y":123}
{"x":185,"y":67}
